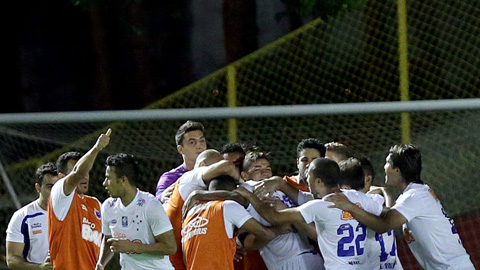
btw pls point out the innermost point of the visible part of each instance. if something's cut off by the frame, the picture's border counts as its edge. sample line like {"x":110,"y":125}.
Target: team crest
{"x":124,"y":221}
{"x":97,"y":214}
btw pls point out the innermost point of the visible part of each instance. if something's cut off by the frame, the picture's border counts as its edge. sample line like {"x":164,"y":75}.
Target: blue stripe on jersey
{"x":26,"y":238}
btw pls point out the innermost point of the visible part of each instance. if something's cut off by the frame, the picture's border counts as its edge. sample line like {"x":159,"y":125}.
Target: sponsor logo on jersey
{"x":113,"y":221}
{"x":195,"y":227}
{"x":141,"y":202}
{"x":84,"y":207}
{"x":37,"y":231}
{"x":124,"y":221}
{"x":36,"y":225}
{"x":90,"y":232}
{"x":347,"y":215}
{"x":433,"y":194}
{"x":112,"y":203}
{"x":97,"y":214}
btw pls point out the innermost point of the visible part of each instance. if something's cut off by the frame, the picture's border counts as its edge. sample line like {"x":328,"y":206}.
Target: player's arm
{"x":223,"y":167}
{"x":205,"y":195}
{"x":389,"y":200}
{"x":15,"y":260}
{"x":106,"y":254}
{"x":388,"y":220}
{"x":258,"y":235}
{"x":286,"y":216}
{"x":84,"y":165}
{"x":165,"y":244}
{"x":277,"y":183}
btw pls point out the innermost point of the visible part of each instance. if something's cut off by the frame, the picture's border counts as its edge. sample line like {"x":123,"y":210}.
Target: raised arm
{"x":85,"y":164}
{"x":223,"y":167}
{"x":205,"y":195}
{"x":286,"y":216}
{"x":389,"y":219}
{"x":277,"y":183}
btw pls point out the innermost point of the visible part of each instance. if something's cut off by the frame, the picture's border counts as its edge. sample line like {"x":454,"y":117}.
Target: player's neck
{"x":189,"y":164}
{"x":129,"y":195}
{"x":43,"y":203}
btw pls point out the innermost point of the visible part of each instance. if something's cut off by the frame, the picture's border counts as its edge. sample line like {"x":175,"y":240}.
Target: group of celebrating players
{"x":226,"y":210}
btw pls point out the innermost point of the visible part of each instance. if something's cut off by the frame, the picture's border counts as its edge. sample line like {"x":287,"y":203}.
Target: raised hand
{"x":103,"y":140}
{"x":269,"y":185}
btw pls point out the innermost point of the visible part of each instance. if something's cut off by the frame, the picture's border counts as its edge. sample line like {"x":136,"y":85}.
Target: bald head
{"x":208,"y":157}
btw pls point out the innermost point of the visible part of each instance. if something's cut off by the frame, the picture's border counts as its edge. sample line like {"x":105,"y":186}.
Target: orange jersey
{"x":174,"y":213}
{"x":75,"y":241}
{"x":292,"y":180}
{"x":206,"y":243}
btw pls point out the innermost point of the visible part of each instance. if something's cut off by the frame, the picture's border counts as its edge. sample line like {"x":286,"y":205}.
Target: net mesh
{"x":352,"y":57}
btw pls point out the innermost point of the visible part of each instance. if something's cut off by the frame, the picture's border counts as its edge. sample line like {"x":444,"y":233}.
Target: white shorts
{"x":304,"y":261}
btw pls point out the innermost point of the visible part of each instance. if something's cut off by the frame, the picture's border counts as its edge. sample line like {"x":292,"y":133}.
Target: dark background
{"x":101,"y":55}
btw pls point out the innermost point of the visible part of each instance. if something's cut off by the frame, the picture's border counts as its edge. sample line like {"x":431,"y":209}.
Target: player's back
{"x":341,"y":238}
{"x":430,"y":232}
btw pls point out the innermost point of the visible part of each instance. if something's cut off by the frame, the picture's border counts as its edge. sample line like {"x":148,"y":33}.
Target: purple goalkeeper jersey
{"x":169,"y":178}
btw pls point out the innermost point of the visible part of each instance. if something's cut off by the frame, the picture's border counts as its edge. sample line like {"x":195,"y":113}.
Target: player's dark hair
{"x":251,"y":157}
{"x":311,"y":143}
{"x":408,"y":159}
{"x":187,"y":127}
{"x":222,"y":182}
{"x":232,"y":148}
{"x":367,"y":167}
{"x":125,"y":165}
{"x":62,"y":161}
{"x":327,"y":170}
{"x":351,"y":173}
{"x":47,"y":168}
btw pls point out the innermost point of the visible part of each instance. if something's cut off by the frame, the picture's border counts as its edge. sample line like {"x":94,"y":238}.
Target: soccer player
{"x":430,"y":233}
{"x":27,"y":232}
{"x":134,"y":223}
{"x":336,"y":151}
{"x":190,"y":140}
{"x":235,"y":153}
{"x":208,"y":234}
{"x":286,"y":251}
{"x":307,"y":150}
{"x":74,"y":220}
{"x":340,"y":236}
{"x":380,"y":248}
{"x":209,"y":165}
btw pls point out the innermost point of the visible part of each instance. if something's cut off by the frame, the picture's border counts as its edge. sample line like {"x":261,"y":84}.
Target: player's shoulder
{"x":30,"y":209}
{"x":175,"y":172}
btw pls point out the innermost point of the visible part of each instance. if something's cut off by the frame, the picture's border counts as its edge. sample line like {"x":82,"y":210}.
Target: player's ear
{"x":244,"y":176}
{"x":38,"y":187}
{"x":61,"y":175}
{"x":180,"y":149}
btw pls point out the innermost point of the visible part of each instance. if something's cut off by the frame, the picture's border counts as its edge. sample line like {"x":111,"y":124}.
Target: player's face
{"x":305,"y":157}
{"x":47,"y":184}
{"x":112,"y":183}
{"x":260,"y":170}
{"x":392,"y":175}
{"x":193,"y":144}
{"x":311,"y":180}
{"x":235,"y":157}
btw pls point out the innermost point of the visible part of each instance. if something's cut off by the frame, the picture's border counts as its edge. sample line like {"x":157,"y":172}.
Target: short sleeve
{"x":157,"y":218}
{"x":315,"y":210}
{"x":191,"y":181}
{"x":234,"y":215}
{"x":61,"y":203}
{"x":14,"y":229}
{"x":105,"y":220}
{"x":304,"y":197}
{"x":408,"y":205}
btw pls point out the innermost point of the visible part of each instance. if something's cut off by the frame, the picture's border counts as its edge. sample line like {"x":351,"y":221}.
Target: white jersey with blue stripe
{"x":29,"y":225}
